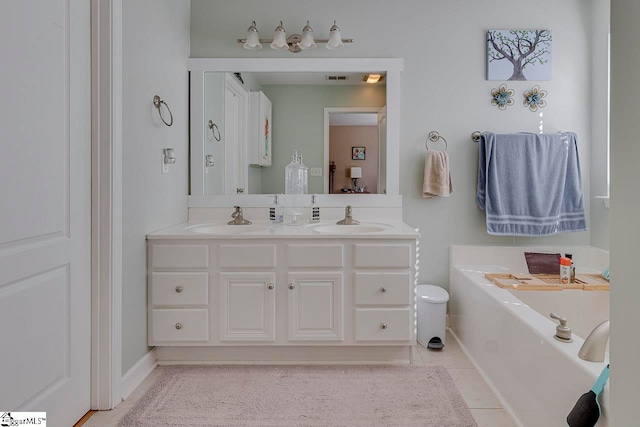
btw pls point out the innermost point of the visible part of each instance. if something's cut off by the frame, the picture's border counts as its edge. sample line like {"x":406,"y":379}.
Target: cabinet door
{"x":315,"y":306}
{"x":247,"y":306}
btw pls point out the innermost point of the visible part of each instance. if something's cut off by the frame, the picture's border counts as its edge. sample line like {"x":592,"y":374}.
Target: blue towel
{"x":530,"y":184}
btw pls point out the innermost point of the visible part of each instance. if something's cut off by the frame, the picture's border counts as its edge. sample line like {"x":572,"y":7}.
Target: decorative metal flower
{"x":533,"y":98}
{"x":502,"y":97}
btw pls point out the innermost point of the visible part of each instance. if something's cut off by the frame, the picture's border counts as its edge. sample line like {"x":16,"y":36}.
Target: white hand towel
{"x":437,"y":177}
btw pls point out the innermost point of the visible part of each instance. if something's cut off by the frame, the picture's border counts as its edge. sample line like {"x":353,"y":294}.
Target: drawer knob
{"x":291,"y":286}
{"x":178,"y":326}
{"x":269,"y":285}
{"x":383,"y":326}
{"x":383,"y":289}
{"x":179,"y":288}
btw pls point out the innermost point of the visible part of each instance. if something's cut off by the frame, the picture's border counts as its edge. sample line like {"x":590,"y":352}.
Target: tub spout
{"x":596,"y":343}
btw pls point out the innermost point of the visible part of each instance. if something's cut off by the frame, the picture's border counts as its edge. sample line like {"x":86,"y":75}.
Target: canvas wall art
{"x":519,"y":55}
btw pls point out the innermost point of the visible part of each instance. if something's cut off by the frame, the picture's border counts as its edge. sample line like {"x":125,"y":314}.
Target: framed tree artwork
{"x":357,"y":153}
{"x":519,"y":55}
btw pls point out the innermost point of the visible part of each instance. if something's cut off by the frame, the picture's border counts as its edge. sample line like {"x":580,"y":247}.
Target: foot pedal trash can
{"x":432,"y":315}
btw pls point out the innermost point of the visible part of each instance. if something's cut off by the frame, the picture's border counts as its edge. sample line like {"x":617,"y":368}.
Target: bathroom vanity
{"x":271,"y":293}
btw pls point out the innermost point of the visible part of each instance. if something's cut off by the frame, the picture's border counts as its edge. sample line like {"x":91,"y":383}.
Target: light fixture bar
{"x":293,"y":40}
{"x":294,"y":43}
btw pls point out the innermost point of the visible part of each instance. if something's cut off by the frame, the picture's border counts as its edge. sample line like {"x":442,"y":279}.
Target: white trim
{"x":295,"y":64}
{"x":137,"y":373}
{"x":322,"y":200}
{"x":197,"y":121}
{"x":106,"y":203}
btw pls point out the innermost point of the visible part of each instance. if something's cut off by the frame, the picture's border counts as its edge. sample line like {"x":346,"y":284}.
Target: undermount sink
{"x":350,"y":229}
{"x":226,"y":229}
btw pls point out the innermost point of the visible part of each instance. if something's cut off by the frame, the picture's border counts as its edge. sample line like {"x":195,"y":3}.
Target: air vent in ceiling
{"x":337,"y":77}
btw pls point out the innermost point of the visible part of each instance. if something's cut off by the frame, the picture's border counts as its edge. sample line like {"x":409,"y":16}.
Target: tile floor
{"x":484,"y":406}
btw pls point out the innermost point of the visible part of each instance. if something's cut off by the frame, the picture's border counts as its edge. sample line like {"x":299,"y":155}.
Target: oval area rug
{"x":302,"y":396}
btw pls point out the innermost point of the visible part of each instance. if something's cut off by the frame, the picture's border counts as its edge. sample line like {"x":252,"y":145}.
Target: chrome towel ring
{"x":157,"y":102}
{"x":435,"y":136}
{"x":214,"y":131}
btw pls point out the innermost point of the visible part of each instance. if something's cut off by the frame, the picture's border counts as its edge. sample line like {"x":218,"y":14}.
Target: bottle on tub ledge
{"x":565,"y":270}
{"x":572,"y":277}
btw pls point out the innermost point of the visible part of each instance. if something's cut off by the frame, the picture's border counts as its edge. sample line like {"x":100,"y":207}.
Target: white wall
{"x":155,"y":51}
{"x":443,"y":88}
{"x":625,"y":232}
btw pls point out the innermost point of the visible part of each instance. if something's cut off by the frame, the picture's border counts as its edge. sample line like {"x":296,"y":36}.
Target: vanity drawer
{"x":179,"y":288}
{"x":247,"y":256}
{"x":385,"y":324}
{"x":372,"y":255}
{"x":315,"y":256}
{"x":179,"y":325}
{"x":179,"y":256}
{"x":382,"y":288}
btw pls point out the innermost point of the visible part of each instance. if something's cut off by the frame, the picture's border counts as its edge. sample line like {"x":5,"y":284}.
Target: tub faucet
{"x":348,"y":217}
{"x":238,"y":219}
{"x":595,"y":345}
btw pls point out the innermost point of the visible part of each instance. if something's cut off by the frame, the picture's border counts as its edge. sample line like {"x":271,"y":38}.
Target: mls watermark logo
{"x":9,"y":419}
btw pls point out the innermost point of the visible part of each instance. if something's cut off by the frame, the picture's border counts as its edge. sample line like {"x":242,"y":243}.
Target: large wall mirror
{"x":249,"y":116}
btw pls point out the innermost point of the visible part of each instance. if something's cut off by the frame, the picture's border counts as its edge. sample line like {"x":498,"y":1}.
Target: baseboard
{"x":137,"y":373}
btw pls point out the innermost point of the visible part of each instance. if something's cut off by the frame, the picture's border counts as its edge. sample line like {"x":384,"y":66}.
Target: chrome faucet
{"x":348,"y":217}
{"x":238,"y":219}
{"x":595,"y":345}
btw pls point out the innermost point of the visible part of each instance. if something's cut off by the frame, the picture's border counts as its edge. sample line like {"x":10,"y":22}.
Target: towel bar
{"x":475,"y":136}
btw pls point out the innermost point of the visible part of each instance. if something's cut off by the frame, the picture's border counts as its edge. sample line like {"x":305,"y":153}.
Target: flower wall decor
{"x":533,"y":98}
{"x":502,"y":97}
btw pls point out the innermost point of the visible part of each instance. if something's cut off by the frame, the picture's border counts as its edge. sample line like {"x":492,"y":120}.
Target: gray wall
{"x":443,"y":89}
{"x":155,"y":52}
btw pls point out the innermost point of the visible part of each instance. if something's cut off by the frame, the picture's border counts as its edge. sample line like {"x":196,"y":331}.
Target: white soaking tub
{"x":508,"y":335}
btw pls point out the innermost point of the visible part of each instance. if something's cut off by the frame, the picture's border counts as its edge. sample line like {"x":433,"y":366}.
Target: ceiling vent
{"x":337,"y":78}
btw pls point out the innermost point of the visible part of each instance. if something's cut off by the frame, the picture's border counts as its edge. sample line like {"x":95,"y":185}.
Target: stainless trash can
{"x":432,"y":315}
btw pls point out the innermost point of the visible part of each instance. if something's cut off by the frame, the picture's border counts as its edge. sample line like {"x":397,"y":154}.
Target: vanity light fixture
{"x":294,"y":43}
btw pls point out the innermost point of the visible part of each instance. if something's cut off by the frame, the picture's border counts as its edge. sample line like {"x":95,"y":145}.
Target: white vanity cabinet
{"x":178,"y":297}
{"x":301,"y":299}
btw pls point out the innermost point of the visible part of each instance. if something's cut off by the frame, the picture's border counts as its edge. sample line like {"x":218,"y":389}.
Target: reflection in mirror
{"x":354,"y":150}
{"x":298,"y":101}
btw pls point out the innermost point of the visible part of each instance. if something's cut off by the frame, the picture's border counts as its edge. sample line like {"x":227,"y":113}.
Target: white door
{"x":45,"y":214}
{"x":315,"y":303}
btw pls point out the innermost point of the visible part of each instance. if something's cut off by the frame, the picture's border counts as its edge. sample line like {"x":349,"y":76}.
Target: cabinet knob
{"x":178,"y":326}
{"x":179,"y":288}
{"x":291,"y":286}
{"x":269,"y":285}
{"x":383,"y":289}
{"x":383,"y":326}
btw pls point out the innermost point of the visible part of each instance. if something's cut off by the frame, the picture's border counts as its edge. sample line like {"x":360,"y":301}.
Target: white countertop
{"x":268,"y":230}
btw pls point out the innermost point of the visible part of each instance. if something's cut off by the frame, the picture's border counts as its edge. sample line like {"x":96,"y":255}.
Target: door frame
{"x":327,"y":113}
{"x":106,"y":203}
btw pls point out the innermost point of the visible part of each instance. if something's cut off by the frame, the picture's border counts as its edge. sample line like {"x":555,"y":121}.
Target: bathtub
{"x":508,"y":335}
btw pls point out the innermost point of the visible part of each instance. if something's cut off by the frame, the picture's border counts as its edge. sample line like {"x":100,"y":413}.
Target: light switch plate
{"x":316,"y":171}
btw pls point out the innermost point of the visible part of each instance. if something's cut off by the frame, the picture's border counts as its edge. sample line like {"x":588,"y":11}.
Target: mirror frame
{"x":198,"y":66}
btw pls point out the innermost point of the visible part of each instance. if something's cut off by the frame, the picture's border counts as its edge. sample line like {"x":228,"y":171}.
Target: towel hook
{"x":435,"y":136}
{"x":475,"y":136}
{"x":157,"y":102}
